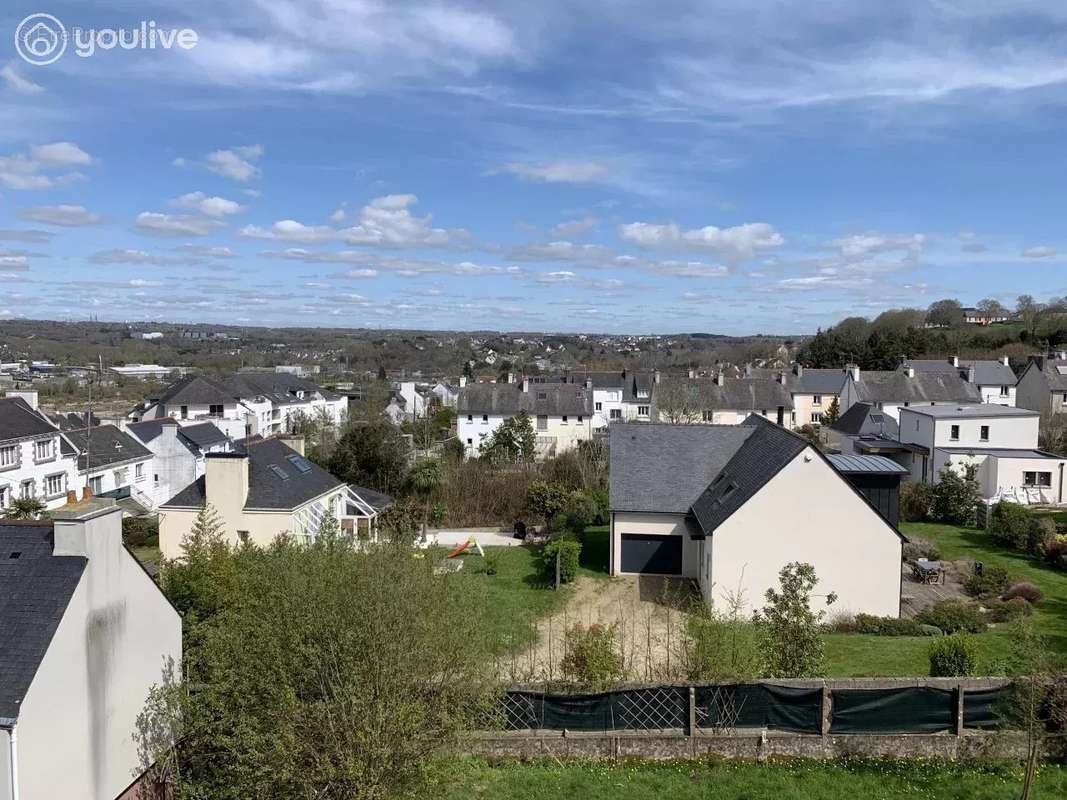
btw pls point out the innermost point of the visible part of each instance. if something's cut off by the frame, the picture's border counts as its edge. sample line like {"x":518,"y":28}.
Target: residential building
{"x":445,"y":393}
{"x":112,"y":464}
{"x":891,"y":390}
{"x":619,"y":396}
{"x":178,"y":453}
{"x":995,"y":379}
{"x":561,"y":413}
{"x":730,"y":505}
{"x":813,"y":391}
{"x":1043,"y":385}
{"x":265,"y":488}
{"x":33,"y":458}
{"x":243,"y":404}
{"x":85,"y":635}
{"x":406,"y":403}
{"x":972,"y":316}
{"x":1000,"y":443}
{"x":869,"y":431}
{"x":681,"y":399}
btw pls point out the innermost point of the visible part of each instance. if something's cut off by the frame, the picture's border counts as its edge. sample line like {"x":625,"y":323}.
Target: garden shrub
{"x":915,"y":501}
{"x":1008,"y":610}
{"x":992,"y":580}
{"x":140,"y":531}
{"x":721,"y":647}
{"x":1056,"y":552}
{"x":592,"y":659}
{"x":569,"y":553}
{"x":1009,"y":525}
{"x":579,"y":512}
{"x":1025,"y":590}
{"x":916,"y":547}
{"x":546,"y":500}
{"x":955,"y":498}
{"x":953,"y":656}
{"x":1041,"y":533}
{"x":952,"y":616}
{"x":886,"y":626}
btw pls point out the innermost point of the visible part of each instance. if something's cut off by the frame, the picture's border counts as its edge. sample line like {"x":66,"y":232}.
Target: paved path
{"x":486,"y":537}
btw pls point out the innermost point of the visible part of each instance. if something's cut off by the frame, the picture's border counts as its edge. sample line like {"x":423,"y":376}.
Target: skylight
{"x":302,"y":464}
{"x":278,"y":471}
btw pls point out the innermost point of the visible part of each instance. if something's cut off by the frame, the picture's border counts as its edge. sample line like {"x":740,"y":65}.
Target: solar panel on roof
{"x":278,"y":471}
{"x":302,"y":464}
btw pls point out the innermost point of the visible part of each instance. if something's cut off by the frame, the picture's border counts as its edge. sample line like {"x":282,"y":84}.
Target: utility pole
{"x":89,"y":433}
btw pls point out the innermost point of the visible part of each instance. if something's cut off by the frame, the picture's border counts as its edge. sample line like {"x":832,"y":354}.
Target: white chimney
{"x":909,"y":370}
{"x":226,"y":482}
{"x":655,"y":376}
{"x":854,"y":371}
{"x":970,"y":374}
{"x":1006,"y":361}
{"x":692,"y":373}
{"x":525,"y":385}
{"x":798,"y":370}
{"x":720,"y":378}
{"x":462,"y":381}
{"x":781,"y":377}
{"x":511,"y":377}
{"x":588,"y":383}
{"x":293,"y":442}
{"x":955,"y":360}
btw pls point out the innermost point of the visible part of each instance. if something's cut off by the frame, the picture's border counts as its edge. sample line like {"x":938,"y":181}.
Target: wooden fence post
{"x":557,"y":569}
{"x":959,"y":709}
{"x":827,"y":711}
{"x":692,"y":711}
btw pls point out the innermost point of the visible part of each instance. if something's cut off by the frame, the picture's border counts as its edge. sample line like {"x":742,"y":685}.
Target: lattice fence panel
{"x":661,"y":708}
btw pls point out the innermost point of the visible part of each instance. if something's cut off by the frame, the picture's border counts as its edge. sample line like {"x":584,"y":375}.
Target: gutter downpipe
{"x":13,"y":752}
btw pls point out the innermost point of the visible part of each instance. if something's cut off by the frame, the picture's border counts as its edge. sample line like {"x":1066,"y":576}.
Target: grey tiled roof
{"x":986,"y":372}
{"x":551,"y":399}
{"x":35,"y":589}
{"x":1050,"y":371}
{"x":105,"y":445}
{"x":762,"y":456}
{"x":738,"y":394}
{"x":863,"y":419}
{"x":896,"y":386}
{"x":18,"y":420}
{"x":203,"y":435}
{"x":279,"y":387}
{"x":809,"y":381}
{"x":267,"y":489}
{"x":664,"y":468}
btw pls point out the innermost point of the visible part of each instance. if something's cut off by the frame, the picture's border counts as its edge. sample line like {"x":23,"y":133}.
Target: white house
{"x":144,"y":371}
{"x":891,"y":390}
{"x":813,"y":391}
{"x":681,"y":399}
{"x":1001,"y":443}
{"x":243,"y":404}
{"x":1043,"y":385}
{"x":85,"y":635}
{"x":561,"y":413}
{"x":995,"y":379}
{"x":112,"y":464}
{"x":178,"y":453}
{"x":33,"y":458}
{"x":621,"y":396}
{"x":729,"y":506}
{"x":263,"y":489}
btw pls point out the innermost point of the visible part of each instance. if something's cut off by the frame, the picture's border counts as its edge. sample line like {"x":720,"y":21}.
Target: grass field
{"x":462,"y":779}
{"x":853,"y":655}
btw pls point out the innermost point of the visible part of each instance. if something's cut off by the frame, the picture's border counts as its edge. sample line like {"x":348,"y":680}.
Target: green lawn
{"x":853,"y":655}
{"x":462,"y":779}
{"x":596,"y":543}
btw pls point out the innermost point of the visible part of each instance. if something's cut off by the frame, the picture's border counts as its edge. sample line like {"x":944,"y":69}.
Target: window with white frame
{"x":42,"y":450}
{"x":615,"y":413}
{"x":9,"y":456}
{"x":485,"y":419}
{"x":542,"y":422}
{"x":564,"y":420}
{"x":28,"y":489}
{"x":983,"y":433}
{"x":5,"y":496}
{"x":96,"y":485}
{"x":1037,"y":479}
{"x":642,"y":411}
{"x":1004,"y":391}
{"x":954,"y":433}
{"x":816,"y":418}
{"x":599,"y":406}
{"x":816,"y":399}
{"x":55,"y":485}
{"x":138,"y":472}
{"x":122,"y":477}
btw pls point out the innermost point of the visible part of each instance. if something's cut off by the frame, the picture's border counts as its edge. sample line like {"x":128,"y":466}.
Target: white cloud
{"x":67,"y":216}
{"x":338,"y":216}
{"x":11,"y":262}
{"x":18,"y":83}
{"x":560,"y":171}
{"x":141,"y":258}
{"x":739,"y":242}
{"x":24,"y":235}
{"x":867,"y":244}
{"x":237,"y":163}
{"x":141,"y":283}
{"x":207,"y":250}
{"x":209,"y":206}
{"x":1042,"y":251}
{"x":561,"y":276}
{"x":37,"y":169}
{"x":175,"y":224}
{"x":289,"y":230}
{"x":561,"y":251}
{"x":573,"y":228}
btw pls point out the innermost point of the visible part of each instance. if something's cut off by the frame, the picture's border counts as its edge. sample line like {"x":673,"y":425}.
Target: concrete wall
{"x":1014,"y":432}
{"x":809,"y":513}
{"x":174,"y":466}
{"x":656,"y":525}
{"x":992,"y":394}
{"x":118,"y":638}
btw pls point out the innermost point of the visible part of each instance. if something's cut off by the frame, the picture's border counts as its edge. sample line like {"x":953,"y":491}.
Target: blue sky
{"x":721,"y":166}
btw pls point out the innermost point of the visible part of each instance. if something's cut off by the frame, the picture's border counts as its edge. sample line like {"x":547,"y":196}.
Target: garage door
{"x":652,"y":555}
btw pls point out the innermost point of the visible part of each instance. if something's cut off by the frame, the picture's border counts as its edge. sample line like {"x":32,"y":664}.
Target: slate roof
{"x":738,"y":394}
{"x":106,"y":445}
{"x":35,"y":589}
{"x":986,"y":373}
{"x":664,"y":468}
{"x":896,"y":387}
{"x":278,"y":387}
{"x":203,"y":435}
{"x":809,"y":381}
{"x":195,"y":390}
{"x":852,"y":464}
{"x":863,"y":419}
{"x":72,"y":420}
{"x":551,"y":399}
{"x":18,"y":420}
{"x":1050,"y":371}
{"x":378,"y":500}
{"x":266,"y":488}
{"x":762,"y":456}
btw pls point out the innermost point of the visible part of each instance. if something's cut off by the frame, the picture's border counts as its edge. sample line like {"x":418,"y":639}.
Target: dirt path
{"x":649,"y":613}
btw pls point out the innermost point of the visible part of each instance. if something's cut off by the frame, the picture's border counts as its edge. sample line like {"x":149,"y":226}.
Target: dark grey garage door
{"x":652,"y":555}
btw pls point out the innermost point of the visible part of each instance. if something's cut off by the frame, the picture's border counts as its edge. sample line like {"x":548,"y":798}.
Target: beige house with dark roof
{"x":719,"y":400}
{"x":1043,"y":385}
